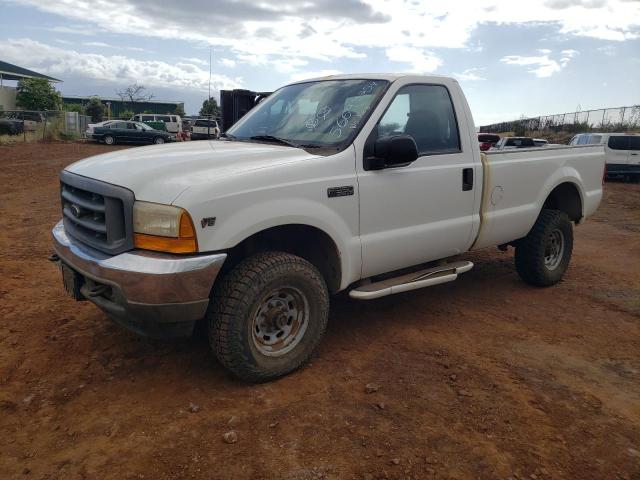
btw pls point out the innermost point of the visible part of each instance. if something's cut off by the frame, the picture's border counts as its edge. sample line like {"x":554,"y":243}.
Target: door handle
{"x":467,"y":179}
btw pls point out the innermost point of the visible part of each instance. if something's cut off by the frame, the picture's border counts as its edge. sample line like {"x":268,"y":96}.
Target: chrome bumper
{"x":155,"y":294}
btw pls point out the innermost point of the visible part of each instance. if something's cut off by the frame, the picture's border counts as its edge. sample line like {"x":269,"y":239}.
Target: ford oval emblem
{"x":75,"y":210}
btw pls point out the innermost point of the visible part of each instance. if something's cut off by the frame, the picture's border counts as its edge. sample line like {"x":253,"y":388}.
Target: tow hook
{"x":53,"y":257}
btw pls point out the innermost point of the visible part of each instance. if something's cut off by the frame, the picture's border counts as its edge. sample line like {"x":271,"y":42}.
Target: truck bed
{"x":517,"y":182}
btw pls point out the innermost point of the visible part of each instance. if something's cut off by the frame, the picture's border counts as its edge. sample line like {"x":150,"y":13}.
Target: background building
{"x":9,"y":76}
{"x":115,"y":106}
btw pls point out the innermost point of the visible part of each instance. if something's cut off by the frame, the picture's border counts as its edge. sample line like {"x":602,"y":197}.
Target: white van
{"x":172,"y":122}
{"x":622,"y":152}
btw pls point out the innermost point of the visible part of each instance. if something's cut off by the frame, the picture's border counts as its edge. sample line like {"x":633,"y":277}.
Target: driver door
{"x":425,"y":210}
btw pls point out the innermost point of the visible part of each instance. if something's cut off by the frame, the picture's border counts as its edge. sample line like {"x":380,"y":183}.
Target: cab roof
{"x":391,"y":77}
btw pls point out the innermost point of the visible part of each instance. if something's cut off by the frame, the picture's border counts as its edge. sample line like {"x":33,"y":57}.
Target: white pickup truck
{"x":370,"y":184}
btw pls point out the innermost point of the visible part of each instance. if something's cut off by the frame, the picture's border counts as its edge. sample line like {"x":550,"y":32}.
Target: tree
{"x":95,"y":109}
{"x":74,"y":107}
{"x":134,"y":93}
{"x":126,"y":114}
{"x":179,"y":110}
{"x":37,"y":94}
{"x":210,"y":108}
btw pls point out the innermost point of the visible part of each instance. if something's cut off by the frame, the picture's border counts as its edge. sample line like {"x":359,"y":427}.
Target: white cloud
{"x":227,"y":62}
{"x":196,"y":61}
{"x":97,"y":44}
{"x":542,"y":65}
{"x":117,"y":69}
{"x":470,"y":75}
{"x":421,"y":61}
{"x":331,"y":29}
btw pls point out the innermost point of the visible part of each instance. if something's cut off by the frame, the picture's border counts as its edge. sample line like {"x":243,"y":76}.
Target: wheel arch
{"x":306,"y":241}
{"x":566,"y":197}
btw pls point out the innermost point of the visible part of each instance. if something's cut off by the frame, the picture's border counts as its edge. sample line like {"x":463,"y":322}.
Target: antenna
{"x":209,"y":98}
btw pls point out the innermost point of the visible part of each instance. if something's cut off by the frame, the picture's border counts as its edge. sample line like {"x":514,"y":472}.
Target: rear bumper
{"x":203,"y":136}
{"x":154,"y":294}
{"x":623,"y":168}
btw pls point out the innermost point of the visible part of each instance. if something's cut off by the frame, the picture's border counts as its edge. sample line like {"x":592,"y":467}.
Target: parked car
{"x":28,"y":119}
{"x":509,"y":143}
{"x":588,"y":139}
{"x":122,"y":131}
{"x":173,"y":123}
{"x":487,"y":140}
{"x":622,"y":152}
{"x":204,"y":129}
{"x":91,"y":126}
{"x":10,"y":126}
{"x":370,"y":191}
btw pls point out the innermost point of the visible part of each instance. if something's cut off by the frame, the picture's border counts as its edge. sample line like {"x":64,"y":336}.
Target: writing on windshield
{"x":323,"y":113}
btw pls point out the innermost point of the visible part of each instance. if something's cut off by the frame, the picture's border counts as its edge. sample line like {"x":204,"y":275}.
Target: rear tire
{"x":109,"y":140}
{"x":267,"y":316}
{"x":542,"y":257}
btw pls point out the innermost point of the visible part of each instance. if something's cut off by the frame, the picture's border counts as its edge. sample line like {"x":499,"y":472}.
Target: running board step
{"x":411,"y":281}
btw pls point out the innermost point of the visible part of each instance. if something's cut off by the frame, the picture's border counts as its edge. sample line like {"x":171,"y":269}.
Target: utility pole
{"x":209,"y":97}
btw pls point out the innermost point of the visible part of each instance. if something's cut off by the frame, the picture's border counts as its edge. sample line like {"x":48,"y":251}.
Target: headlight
{"x":163,"y":228}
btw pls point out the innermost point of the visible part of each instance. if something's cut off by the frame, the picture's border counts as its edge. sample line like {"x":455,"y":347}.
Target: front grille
{"x":97,"y":213}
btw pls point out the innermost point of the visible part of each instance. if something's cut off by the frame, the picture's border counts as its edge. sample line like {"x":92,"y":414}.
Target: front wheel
{"x":542,"y":257}
{"x":158,"y":140}
{"x":109,"y":140}
{"x":267,"y":316}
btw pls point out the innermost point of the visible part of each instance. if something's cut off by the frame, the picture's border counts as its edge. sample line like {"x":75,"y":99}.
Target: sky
{"x":512,"y":58}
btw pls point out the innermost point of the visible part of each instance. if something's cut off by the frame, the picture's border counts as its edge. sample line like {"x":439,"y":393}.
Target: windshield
{"x":143,"y":126}
{"x":326,"y":113}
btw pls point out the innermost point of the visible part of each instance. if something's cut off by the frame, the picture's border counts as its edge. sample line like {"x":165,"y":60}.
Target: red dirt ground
{"x":483,"y":378}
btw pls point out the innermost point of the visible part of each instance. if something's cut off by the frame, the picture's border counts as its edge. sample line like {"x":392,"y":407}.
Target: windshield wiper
{"x":271,"y":138}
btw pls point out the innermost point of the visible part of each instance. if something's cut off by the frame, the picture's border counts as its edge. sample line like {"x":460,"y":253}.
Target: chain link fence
{"x":619,"y":119}
{"x":31,"y":125}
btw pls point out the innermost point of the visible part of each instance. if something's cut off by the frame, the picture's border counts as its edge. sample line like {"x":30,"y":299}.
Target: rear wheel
{"x":109,"y":140}
{"x":542,"y":257}
{"x":267,"y":316}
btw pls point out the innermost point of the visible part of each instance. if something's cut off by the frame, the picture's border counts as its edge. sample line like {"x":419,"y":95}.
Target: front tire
{"x":109,"y":140}
{"x":542,"y":257}
{"x":267,"y":316}
{"x":158,"y":140}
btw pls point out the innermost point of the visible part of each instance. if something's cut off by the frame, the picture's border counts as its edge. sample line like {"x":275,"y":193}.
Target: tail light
{"x":484,"y":146}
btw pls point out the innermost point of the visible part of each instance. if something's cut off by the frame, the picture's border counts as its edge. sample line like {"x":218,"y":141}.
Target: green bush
{"x":125,"y":115}
{"x":95,"y":109}
{"x":75,"y":107}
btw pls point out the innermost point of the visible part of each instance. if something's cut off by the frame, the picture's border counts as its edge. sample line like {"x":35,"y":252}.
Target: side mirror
{"x":393,"y":151}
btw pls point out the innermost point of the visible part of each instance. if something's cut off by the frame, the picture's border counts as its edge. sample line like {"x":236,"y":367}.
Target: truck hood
{"x":160,"y":173}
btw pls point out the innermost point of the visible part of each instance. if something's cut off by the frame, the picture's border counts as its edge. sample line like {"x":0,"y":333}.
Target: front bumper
{"x":155,"y":294}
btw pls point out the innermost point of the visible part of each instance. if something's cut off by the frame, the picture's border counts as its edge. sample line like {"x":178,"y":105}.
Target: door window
{"x":619,"y":142}
{"x":634,"y":142}
{"x":164,"y":118}
{"x":426,"y":113}
{"x":147,"y":118}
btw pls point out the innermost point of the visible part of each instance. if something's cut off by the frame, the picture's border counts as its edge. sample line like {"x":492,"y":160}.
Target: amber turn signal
{"x":166,"y":244}
{"x":185,"y":243}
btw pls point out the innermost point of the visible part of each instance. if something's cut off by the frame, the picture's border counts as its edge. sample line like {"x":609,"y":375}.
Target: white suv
{"x":622,"y":152}
{"x":204,"y":129}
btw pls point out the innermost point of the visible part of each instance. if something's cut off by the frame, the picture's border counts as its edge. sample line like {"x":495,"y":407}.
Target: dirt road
{"x":482,"y":378}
